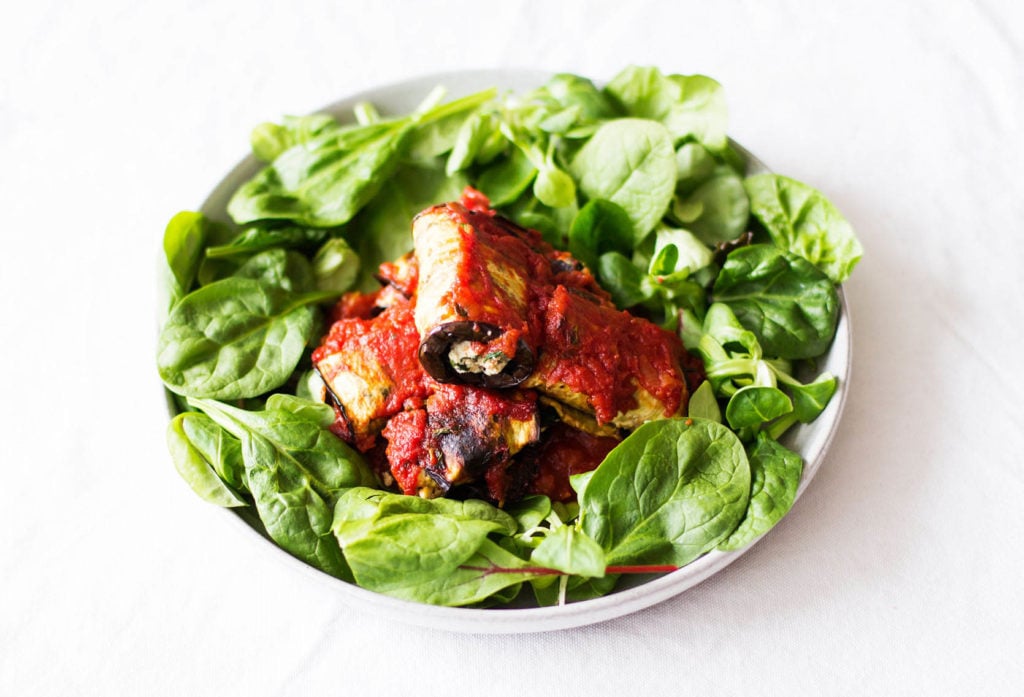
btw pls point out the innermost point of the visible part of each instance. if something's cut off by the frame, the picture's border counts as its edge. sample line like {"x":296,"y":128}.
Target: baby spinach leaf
{"x":572,"y":91}
{"x":296,"y":470}
{"x":184,"y":239}
{"x":694,"y":165}
{"x":811,"y":399}
{"x":279,"y":268}
{"x":668,"y":493}
{"x":432,"y":559}
{"x":317,"y":412}
{"x":620,"y":277}
{"x":570,"y":551}
{"x":261,"y":237}
{"x":790,"y":305}
{"x":717,"y":210}
{"x":754,"y":405}
{"x":322,"y":186}
{"x":473,"y":134}
{"x":600,"y":226}
{"x":302,"y":442}
{"x":506,"y":179}
{"x":529,"y":511}
{"x":801,"y":220}
{"x":775,"y":477}
{"x":704,"y":405}
{"x":335,"y":266}
{"x":233,"y":339}
{"x":268,"y":140}
{"x":295,"y":514}
{"x":630,"y":162}
{"x":643,"y":92}
{"x":197,"y":466}
{"x":699,"y":112}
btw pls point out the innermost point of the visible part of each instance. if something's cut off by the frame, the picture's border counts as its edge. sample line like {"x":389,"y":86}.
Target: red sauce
{"x":605,"y":353}
{"x":563,"y":452}
{"x":407,"y":454}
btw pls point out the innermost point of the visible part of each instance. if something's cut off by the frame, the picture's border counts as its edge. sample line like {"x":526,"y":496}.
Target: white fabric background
{"x":898,"y":572}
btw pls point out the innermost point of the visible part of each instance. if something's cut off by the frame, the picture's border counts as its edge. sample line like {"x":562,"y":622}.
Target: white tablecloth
{"x":898,"y":572}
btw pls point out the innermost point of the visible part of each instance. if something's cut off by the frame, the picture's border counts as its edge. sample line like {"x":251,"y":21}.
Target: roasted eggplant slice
{"x":479,"y":283}
{"x":601,"y":361}
{"x":370,"y":370}
{"x":462,"y":435}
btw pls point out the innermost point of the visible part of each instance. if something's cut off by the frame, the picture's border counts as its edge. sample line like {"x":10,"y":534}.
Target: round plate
{"x":811,"y":441}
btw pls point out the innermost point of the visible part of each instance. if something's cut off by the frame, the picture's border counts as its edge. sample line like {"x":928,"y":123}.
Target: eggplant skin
{"x":435,"y":355}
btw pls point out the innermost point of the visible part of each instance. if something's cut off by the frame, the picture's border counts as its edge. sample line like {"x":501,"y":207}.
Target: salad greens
{"x":639,"y":181}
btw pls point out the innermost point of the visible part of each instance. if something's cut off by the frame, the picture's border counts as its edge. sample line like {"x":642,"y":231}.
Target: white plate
{"x":810,"y":440}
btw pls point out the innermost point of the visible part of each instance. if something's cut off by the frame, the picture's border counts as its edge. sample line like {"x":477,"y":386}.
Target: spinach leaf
{"x":790,"y":305}
{"x":775,"y":477}
{"x":206,"y":469}
{"x":323,"y":186}
{"x":600,"y":226}
{"x":811,"y":399}
{"x":694,"y":165}
{"x":570,"y":551}
{"x":801,"y":220}
{"x":317,"y":412}
{"x":268,"y":140}
{"x":429,"y":558}
{"x":261,"y":237}
{"x":234,"y":338}
{"x":630,"y":162}
{"x":703,"y":405}
{"x":754,"y":405}
{"x":717,"y":210}
{"x":689,"y":106}
{"x":505,"y":180}
{"x":529,"y":511}
{"x":668,"y":493}
{"x":184,"y":239}
{"x":296,"y":470}
{"x":279,"y":268}
{"x":335,"y":266}
{"x":699,"y":112}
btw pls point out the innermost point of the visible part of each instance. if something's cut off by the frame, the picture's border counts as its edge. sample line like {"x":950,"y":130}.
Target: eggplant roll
{"x":477,"y":288}
{"x":370,"y":371}
{"x":604,"y":362}
{"x":463,"y":435}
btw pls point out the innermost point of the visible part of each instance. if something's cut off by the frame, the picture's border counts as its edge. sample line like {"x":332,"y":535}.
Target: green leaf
{"x":717,"y":210}
{"x":703,"y":404}
{"x":790,"y":305}
{"x":196,"y":466}
{"x":700,"y":111}
{"x":323,"y":185}
{"x":233,"y":339}
{"x":801,"y":220}
{"x":569,"y":550}
{"x":507,"y":178}
{"x":754,"y":405}
{"x":620,"y":277}
{"x":280,"y":268}
{"x":335,"y":266}
{"x":262,"y":237}
{"x":433,"y":559}
{"x":668,"y":493}
{"x":184,"y":239}
{"x":775,"y":478}
{"x":629,"y":162}
{"x":810,"y":400}
{"x":296,"y":515}
{"x":600,"y":226}
{"x":269,"y":140}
